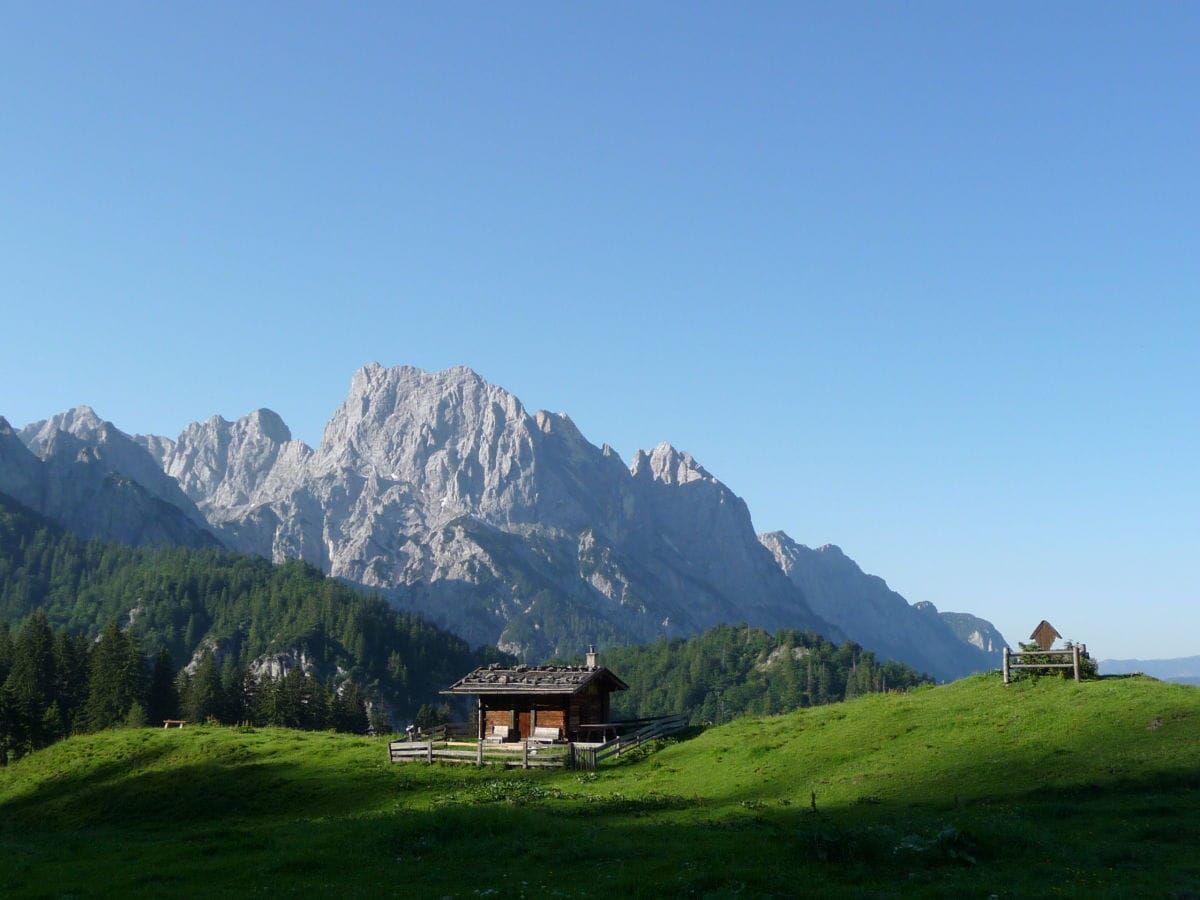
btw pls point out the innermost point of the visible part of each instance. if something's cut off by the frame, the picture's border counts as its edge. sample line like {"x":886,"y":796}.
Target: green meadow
{"x":1042,"y":788}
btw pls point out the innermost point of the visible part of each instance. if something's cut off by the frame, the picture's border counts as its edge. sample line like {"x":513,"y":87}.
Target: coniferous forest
{"x":734,"y":670}
{"x":94,"y":634}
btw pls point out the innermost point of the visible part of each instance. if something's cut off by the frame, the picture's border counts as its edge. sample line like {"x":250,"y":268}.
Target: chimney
{"x":591,"y":656}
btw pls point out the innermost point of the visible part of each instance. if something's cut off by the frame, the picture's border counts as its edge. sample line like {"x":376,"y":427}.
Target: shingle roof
{"x":495,"y":679}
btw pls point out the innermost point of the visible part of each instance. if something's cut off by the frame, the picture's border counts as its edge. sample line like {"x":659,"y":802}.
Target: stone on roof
{"x":497,"y":679}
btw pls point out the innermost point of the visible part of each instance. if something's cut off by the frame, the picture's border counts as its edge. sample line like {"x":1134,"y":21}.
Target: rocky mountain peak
{"x":268,"y":423}
{"x":468,"y":444}
{"x":81,"y":421}
{"x":669,"y":466}
{"x":223,"y":464}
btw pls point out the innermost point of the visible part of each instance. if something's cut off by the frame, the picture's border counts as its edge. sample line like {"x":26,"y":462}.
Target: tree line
{"x":734,"y":670}
{"x":54,"y":683}
{"x":244,"y":609}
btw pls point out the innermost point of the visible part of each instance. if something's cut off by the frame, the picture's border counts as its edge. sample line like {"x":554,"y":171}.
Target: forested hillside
{"x":732,"y":670}
{"x":243,"y":609}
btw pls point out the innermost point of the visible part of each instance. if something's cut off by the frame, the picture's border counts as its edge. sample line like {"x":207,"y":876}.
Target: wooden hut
{"x":572,"y":699}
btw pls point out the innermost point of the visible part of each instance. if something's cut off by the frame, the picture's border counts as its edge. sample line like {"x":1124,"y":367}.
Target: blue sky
{"x":916,"y":279}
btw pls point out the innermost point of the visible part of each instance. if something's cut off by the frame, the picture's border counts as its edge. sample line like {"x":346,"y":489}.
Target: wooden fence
{"x":587,"y":757}
{"x":446,"y":731}
{"x":532,"y":754}
{"x":524,"y":755}
{"x":1051,"y":659}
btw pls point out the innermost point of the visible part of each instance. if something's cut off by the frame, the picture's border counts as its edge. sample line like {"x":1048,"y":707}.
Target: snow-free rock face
{"x":443,"y":492}
{"x":875,"y":616}
{"x":223,"y":466}
{"x":20,"y":471}
{"x":88,"y":476}
{"x":968,"y":628}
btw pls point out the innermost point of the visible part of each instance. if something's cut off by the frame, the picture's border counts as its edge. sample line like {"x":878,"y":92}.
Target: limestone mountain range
{"x":442,"y":492}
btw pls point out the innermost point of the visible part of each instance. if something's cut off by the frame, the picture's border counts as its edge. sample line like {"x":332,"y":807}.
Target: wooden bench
{"x":545,"y":734}
{"x":499,"y":735}
{"x":174,"y":723}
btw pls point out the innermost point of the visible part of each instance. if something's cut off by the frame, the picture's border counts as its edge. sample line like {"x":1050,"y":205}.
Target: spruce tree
{"x":289,"y":700}
{"x":71,"y":674}
{"x":204,"y":698}
{"x":349,"y":713}
{"x":162,"y":698}
{"x":233,"y":709}
{"x":6,"y":651}
{"x":31,"y":683}
{"x":117,"y":678}
{"x":8,"y":725}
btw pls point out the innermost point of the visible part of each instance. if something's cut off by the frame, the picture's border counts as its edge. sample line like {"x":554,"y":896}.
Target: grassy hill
{"x":1041,"y":788}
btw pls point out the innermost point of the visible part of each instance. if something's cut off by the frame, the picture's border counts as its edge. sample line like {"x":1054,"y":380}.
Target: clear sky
{"x":919,"y":279}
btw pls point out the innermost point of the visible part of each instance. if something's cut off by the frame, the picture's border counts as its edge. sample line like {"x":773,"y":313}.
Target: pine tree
{"x":71,"y":678}
{"x":6,"y":651}
{"x":233,"y":709}
{"x":116,"y":678}
{"x":31,"y":683}
{"x":290,"y":695}
{"x":349,"y":712}
{"x":203,"y":699}
{"x":8,"y":726}
{"x":162,"y":697}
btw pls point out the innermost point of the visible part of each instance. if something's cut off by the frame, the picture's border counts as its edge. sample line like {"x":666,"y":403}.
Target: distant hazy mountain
{"x":971,"y":629}
{"x":872,"y":614}
{"x":443,"y":492}
{"x":1184,"y":670}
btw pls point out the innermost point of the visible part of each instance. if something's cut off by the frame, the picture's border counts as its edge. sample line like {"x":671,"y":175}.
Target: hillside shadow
{"x":563,"y":843}
{"x":61,"y":787}
{"x":201,"y":792}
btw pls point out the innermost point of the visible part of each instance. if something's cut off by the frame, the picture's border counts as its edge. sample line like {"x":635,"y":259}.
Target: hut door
{"x":525,"y":722}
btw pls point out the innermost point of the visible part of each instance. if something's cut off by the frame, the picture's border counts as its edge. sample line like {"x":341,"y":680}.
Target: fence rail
{"x":526,"y":754}
{"x":1067,"y":658}
{"x":529,"y":754}
{"x":588,"y":757}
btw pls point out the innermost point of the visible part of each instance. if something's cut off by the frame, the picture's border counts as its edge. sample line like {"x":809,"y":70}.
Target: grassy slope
{"x":969,"y":788}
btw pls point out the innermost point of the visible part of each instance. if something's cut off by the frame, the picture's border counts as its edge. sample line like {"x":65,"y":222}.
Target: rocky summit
{"x":442,"y":492}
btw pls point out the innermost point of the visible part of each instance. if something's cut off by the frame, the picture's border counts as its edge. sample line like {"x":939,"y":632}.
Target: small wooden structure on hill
{"x":535,"y":702}
{"x":1045,"y":635}
{"x":1044,"y":657}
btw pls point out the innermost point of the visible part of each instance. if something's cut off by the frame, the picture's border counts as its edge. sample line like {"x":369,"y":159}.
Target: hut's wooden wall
{"x":527,"y":711}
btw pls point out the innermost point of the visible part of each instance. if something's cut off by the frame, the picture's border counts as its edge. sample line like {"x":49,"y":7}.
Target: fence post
{"x":479,"y":754}
{"x":429,"y":753}
{"x":524,"y":754}
{"x":1006,"y":665}
{"x":1075,"y":660}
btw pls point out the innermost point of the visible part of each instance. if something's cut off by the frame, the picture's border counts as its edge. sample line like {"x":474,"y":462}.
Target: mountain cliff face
{"x":91,"y":478}
{"x":445,"y":494}
{"x":875,"y":616}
